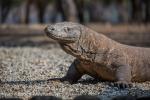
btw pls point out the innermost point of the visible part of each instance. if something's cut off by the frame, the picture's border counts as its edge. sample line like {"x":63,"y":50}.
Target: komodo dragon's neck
{"x":94,"y":41}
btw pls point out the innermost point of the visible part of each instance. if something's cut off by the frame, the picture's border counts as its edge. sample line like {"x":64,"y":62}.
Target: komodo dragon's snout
{"x":63,"y":32}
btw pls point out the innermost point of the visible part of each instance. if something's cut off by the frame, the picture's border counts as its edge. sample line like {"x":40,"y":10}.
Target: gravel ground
{"x":24,"y":72}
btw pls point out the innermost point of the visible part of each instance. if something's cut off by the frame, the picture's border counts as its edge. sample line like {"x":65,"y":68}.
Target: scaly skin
{"x":100,"y":56}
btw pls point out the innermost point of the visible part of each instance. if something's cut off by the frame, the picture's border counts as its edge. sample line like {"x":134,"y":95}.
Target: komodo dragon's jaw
{"x":62,"y":33}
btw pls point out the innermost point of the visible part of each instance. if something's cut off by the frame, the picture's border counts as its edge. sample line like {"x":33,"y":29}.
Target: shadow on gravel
{"x":31,"y":82}
{"x":89,"y":81}
{"x":111,"y":93}
{"x":134,"y":93}
{"x":24,"y":82}
{"x":83,"y":97}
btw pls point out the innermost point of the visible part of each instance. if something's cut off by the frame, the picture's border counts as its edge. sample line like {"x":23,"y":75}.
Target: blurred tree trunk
{"x":137,"y":15}
{"x":80,"y":9}
{"x":68,"y":9}
{"x":147,"y":10}
{"x":23,"y":13}
{"x":5,"y":8}
{"x":41,"y":7}
{"x":27,"y":11}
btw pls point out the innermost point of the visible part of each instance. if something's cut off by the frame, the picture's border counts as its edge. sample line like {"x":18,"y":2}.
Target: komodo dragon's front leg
{"x":73,"y":75}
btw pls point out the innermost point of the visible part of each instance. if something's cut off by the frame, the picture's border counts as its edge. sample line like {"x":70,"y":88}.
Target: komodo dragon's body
{"x":100,"y":56}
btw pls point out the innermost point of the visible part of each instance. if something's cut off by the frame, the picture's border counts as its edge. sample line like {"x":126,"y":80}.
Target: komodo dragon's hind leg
{"x":123,"y":76}
{"x":73,"y":75}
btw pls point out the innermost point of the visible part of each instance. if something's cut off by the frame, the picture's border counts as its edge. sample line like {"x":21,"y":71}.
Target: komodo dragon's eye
{"x":67,"y":29}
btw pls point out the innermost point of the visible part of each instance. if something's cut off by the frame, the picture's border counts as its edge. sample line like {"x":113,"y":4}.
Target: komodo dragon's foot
{"x":121,"y":85}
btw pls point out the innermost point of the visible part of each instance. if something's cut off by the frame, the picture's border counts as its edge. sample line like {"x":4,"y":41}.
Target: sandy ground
{"x":24,"y":72}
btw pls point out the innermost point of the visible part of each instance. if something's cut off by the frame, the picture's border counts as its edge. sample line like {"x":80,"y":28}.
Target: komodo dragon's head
{"x":64,"y":32}
{"x":74,"y":38}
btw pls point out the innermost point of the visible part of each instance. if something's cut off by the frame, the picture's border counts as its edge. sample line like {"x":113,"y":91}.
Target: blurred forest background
{"x":83,"y":11}
{"x":22,"y":21}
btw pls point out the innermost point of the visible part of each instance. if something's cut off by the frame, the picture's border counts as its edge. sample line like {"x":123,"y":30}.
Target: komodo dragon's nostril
{"x":51,"y":28}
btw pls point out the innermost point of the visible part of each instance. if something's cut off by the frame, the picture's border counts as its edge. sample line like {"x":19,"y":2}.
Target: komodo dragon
{"x":100,"y":56}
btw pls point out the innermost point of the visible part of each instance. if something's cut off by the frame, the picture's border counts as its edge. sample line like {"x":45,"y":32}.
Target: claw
{"x":121,"y":85}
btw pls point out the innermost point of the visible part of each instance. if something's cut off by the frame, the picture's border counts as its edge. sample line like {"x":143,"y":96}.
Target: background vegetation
{"x":84,"y":11}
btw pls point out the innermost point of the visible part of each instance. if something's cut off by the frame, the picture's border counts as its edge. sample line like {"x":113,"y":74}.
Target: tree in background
{"x":140,"y":10}
{"x":68,"y":9}
{"x":147,"y":10}
{"x":137,"y":15}
{"x":80,"y":7}
{"x":41,"y":7}
{"x":5,"y":8}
